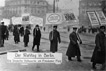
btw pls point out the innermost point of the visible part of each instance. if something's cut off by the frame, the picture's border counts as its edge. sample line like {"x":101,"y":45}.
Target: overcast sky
{"x":1,"y":2}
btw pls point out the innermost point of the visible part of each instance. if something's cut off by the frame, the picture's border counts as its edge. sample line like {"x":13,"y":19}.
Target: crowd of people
{"x":99,"y":54}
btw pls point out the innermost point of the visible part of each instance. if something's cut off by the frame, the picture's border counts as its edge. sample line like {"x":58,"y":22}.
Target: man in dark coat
{"x":37,"y":37}
{"x":21,"y":31}
{"x":3,"y":33}
{"x":73,"y":48}
{"x":54,"y":38}
{"x":104,"y":64}
{"x":16,"y":35}
{"x":99,"y":51}
{"x":26,"y":36}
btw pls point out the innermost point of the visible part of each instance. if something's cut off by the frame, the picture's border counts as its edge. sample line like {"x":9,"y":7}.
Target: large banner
{"x":6,"y":21}
{"x":93,"y":18}
{"x":16,"y":20}
{"x":54,"y":18}
{"x":101,"y":17}
{"x":36,"y":20}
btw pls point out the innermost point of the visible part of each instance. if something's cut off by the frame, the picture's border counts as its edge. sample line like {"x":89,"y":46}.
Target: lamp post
{"x":0,"y":36}
{"x":54,"y":6}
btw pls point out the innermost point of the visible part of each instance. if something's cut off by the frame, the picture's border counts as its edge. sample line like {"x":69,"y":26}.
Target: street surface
{"x":86,"y":51}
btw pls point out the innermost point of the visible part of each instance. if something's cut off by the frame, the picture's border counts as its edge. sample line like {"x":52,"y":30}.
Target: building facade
{"x":88,"y":5}
{"x":18,"y":7}
{"x":1,"y":11}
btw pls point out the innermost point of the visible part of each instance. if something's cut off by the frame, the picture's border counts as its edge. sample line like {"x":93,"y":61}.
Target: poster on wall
{"x":93,"y":18}
{"x":101,"y":17}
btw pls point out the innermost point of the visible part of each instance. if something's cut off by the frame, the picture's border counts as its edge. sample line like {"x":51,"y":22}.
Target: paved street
{"x":86,"y":50}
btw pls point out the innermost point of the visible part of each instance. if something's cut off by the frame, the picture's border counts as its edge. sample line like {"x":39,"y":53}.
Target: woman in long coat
{"x":73,"y":48}
{"x":99,"y":51}
{"x":37,"y":37}
{"x":54,"y":38}
{"x":26,"y":36}
{"x":16,"y":34}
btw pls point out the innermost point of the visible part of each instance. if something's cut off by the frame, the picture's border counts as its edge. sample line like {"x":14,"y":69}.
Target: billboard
{"x":93,"y":18}
{"x":36,"y":20}
{"x":69,"y":16}
{"x":25,"y":18}
{"x":6,"y":21}
{"x":16,"y":20}
{"x":54,"y":18}
{"x":101,"y":17}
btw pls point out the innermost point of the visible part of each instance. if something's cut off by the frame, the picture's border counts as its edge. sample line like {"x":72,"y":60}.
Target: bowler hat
{"x":37,"y":25}
{"x":102,"y":27}
{"x":75,"y":28}
{"x":55,"y":26}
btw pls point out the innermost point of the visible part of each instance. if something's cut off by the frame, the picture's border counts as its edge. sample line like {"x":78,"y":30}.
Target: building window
{"x":37,"y":2}
{"x":94,"y":4}
{"x":99,"y":4}
{"x":44,"y":3}
{"x":25,"y":1}
{"x":90,"y":4}
{"x":38,"y":11}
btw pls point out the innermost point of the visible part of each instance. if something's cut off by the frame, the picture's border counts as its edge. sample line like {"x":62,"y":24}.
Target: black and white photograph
{"x":52,"y":35}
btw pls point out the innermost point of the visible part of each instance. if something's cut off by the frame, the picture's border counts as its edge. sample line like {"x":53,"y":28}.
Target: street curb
{"x":17,"y":50}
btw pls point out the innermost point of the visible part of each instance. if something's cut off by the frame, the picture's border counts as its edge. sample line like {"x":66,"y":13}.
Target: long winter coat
{"x":73,"y":48}
{"x":3,"y":31}
{"x":37,"y":36}
{"x":54,"y":38}
{"x":26,"y":35}
{"x":99,"y":56}
{"x":105,"y":49}
{"x":16,"y":35}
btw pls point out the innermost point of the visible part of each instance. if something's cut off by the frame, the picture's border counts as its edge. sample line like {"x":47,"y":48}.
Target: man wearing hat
{"x":37,"y":37}
{"x":73,"y":48}
{"x":98,"y":56}
{"x":3,"y":33}
{"x":54,"y":38}
{"x":26,"y":36}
